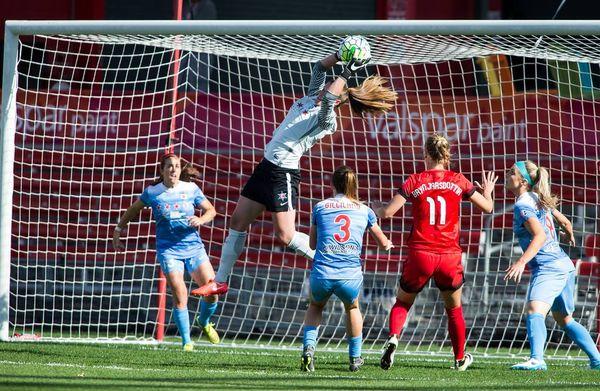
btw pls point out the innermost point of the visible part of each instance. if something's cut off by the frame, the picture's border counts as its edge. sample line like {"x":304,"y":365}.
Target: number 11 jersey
{"x":341,"y":225}
{"x":436,"y":197}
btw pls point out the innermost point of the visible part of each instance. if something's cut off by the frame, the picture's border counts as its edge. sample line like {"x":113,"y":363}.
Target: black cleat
{"x":389,"y":350}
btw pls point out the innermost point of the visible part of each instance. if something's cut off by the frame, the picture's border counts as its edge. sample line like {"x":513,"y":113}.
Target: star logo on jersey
{"x":183,"y":196}
{"x":167,"y":206}
{"x":158,"y":207}
{"x":176,"y":206}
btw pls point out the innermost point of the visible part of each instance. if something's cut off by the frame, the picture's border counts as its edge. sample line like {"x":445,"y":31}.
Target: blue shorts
{"x":347,"y":290}
{"x":170,"y":265}
{"x":556,"y":289}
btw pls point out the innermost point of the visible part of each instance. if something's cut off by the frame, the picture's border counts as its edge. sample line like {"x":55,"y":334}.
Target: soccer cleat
{"x":211,"y":288}
{"x":188,"y":347}
{"x":462,"y":365}
{"x":595,"y":367}
{"x":531,"y":365}
{"x":356,"y":363}
{"x":308,"y":359}
{"x":210,"y":333}
{"x":389,"y":350}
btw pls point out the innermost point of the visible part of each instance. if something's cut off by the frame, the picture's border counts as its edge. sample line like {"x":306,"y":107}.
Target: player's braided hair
{"x":438,"y":148}
{"x":541,"y":185}
{"x":346,"y":183}
{"x":372,"y":96}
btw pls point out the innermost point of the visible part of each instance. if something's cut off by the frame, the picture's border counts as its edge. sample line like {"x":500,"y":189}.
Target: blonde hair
{"x":541,"y":185}
{"x":372,"y":96}
{"x":345,"y":182}
{"x":438,"y":148}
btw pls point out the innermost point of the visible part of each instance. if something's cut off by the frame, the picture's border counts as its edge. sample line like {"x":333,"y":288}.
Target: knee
{"x":351,"y":306}
{"x":284,"y":237}
{"x":179,"y":300}
{"x":238,"y":224}
{"x":317,"y":306}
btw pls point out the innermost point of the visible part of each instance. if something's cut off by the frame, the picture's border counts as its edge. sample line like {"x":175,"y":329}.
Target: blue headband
{"x":523,"y":170}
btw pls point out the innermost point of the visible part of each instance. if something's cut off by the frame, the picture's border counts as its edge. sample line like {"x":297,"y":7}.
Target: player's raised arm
{"x":385,"y":211}
{"x":484,"y":200}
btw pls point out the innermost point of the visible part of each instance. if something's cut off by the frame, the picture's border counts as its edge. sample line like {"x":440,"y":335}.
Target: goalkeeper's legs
{"x":285,"y":231}
{"x":245,"y":213}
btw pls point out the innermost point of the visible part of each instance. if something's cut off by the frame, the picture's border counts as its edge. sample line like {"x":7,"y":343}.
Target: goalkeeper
{"x":273,"y":185}
{"x":173,"y":199}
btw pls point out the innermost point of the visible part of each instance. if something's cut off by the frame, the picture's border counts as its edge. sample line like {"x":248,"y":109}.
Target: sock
{"x":232,"y":248}
{"x":398,"y":316}
{"x":310,"y":336}
{"x":457,"y":331}
{"x":182,"y":320}
{"x":206,"y":311}
{"x":583,"y":339}
{"x":300,"y":244}
{"x":354,"y":346}
{"x":536,"y":334}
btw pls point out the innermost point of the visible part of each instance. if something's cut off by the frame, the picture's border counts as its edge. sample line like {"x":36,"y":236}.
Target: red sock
{"x":398,"y":316}
{"x":457,"y":331}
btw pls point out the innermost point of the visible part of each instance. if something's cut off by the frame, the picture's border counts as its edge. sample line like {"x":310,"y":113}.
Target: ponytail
{"x":438,"y":149}
{"x":346,"y":183}
{"x":541,"y":185}
{"x":189,"y":173}
{"x":372,"y":96}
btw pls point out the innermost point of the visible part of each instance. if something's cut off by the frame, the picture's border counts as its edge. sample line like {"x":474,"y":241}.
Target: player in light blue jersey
{"x":337,"y":229}
{"x":552,"y":273}
{"x":174,"y":199}
{"x":273,"y":185}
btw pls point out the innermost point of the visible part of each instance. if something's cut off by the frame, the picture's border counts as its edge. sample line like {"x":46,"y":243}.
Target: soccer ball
{"x":354,"y":46}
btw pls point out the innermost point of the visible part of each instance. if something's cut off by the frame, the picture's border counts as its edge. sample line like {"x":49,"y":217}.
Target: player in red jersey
{"x":433,"y":249}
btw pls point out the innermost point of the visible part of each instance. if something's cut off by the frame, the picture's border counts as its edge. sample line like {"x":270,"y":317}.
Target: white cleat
{"x":531,"y":365}
{"x":462,"y":365}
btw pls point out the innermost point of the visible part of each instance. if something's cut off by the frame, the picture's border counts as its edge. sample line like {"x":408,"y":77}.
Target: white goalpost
{"x":88,"y":109}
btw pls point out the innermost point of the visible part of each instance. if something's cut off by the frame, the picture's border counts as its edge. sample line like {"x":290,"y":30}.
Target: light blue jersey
{"x":171,"y":207}
{"x":550,"y":256}
{"x":341,"y":225}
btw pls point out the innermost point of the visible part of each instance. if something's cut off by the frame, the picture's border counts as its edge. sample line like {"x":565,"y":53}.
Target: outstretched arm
{"x":485,"y":201}
{"x":385,"y":211}
{"x":129,"y":214}
{"x":317,"y":77}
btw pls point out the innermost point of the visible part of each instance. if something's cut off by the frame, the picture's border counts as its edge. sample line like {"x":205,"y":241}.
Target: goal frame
{"x":14,"y":29}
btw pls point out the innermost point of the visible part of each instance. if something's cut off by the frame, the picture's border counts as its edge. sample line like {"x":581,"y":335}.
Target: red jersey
{"x":436,"y":197}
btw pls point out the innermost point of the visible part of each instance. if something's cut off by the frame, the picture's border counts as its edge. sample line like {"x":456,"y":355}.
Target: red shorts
{"x":446,"y":270}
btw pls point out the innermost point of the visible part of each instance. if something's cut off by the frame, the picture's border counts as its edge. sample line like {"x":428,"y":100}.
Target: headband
{"x":523,"y":170}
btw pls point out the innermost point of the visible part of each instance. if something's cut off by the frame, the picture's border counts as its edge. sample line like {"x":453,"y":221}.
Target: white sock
{"x":232,"y":248}
{"x":300,"y":244}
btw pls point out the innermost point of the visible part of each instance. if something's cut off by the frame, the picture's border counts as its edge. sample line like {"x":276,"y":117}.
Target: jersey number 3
{"x":432,"y":208}
{"x":345,"y":228}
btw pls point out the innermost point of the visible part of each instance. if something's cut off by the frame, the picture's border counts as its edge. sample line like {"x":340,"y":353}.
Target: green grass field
{"x":79,"y":366}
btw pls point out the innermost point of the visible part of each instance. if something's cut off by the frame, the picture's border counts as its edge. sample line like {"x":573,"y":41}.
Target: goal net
{"x":92,"y":110}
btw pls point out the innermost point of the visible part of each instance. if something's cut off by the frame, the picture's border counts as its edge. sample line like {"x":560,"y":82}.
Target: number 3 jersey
{"x":436,"y":197}
{"x":340,"y":225}
{"x":550,"y":255}
{"x":171,"y":208}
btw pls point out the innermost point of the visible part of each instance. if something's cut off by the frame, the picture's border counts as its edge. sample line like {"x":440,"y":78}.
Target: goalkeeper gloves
{"x":353,"y":66}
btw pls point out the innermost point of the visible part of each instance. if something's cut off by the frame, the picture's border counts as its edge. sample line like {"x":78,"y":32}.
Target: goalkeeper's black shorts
{"x":273,"y":186}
